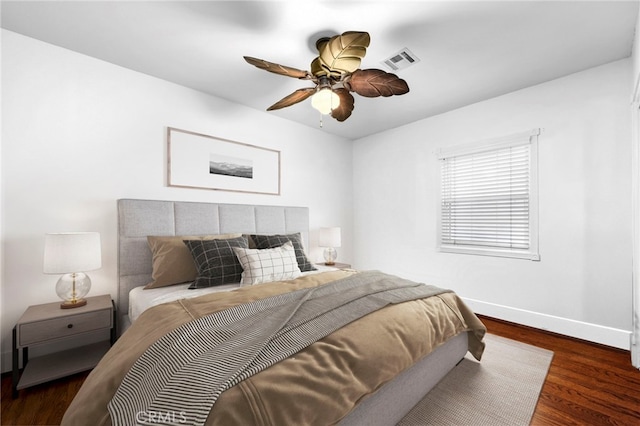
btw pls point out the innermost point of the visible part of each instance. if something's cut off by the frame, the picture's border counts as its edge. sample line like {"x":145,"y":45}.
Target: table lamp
{"x":330,"y":238}
{"x":71,"y":254}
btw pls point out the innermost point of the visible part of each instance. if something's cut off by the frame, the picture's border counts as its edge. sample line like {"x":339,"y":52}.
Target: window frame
{"x":526,"y":138}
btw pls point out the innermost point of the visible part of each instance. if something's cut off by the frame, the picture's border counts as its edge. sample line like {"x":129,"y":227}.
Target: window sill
{"x":528,"y":255}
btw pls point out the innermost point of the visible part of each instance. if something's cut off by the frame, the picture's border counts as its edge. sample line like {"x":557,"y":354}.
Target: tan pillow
{"x":172,"y":261}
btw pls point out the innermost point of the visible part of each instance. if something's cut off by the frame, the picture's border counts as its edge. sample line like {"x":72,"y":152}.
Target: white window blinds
{"x":487,"y":197}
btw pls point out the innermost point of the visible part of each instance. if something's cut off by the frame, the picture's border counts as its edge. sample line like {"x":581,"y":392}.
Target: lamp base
{"x":330,"y":256}
{"x":72,"y":288}
{"x":69,"y":304}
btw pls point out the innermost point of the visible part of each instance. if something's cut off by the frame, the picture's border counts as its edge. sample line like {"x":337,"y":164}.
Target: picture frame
{"x":196,"y":160}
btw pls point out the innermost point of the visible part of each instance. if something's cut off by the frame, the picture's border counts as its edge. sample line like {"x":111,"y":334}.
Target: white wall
{"x":1,"y":218}
{"x":79,"y":133}
{"x":582,"y":285}
{"x":635,"y":188}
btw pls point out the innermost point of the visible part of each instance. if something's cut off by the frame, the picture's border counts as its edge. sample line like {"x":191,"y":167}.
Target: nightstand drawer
{"x":42,"y":331}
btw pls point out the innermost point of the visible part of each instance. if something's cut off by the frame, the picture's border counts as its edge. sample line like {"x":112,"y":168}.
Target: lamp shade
{"x":72,"y":252}
{"x":330,"y":237}
{"x":324,"y":100}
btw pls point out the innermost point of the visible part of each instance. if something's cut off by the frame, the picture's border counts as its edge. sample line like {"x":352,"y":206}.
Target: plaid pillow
{"x":267,"y":265}
{"x":215,"y":261}
{"x":272,"y":241}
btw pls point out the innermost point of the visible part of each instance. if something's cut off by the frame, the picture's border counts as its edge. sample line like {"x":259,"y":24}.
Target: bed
{"x":363,"y":353}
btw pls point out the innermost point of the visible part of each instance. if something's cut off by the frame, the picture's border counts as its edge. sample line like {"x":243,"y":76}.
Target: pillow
{"x":266,"y":265}
{"x":272,"y":241}
{"x":172,"y":261}
{"x":215,"y":261}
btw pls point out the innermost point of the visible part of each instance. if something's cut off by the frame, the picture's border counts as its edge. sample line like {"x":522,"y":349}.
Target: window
{"x":488,"y":198}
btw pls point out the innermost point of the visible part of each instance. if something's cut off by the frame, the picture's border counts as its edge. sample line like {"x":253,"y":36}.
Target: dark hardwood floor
{"x":39,"y":405}
{"x":587,"y":384}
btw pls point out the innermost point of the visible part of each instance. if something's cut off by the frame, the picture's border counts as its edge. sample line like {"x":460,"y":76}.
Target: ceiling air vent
{"x":401,"y":60}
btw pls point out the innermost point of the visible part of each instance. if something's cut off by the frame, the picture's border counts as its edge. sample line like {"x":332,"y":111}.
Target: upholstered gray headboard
{"x":139,"y":218}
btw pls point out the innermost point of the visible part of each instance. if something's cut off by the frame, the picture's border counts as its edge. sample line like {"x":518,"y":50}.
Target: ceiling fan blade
{"x":319,"y":69}
{"x":340,"y":54}
{"x":297,"y":96}
{"x":372,"y":83}
{"x":343,"y":111}
{"x":279,"y":69}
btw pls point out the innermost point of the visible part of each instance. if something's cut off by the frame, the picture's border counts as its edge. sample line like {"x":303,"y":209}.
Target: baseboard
{"x":581,"y":330}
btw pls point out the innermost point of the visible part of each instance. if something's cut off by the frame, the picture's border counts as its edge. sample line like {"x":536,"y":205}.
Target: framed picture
{"x":203,"y":161}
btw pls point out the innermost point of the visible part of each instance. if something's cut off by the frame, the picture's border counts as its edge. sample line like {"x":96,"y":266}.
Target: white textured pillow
{"x":266,"y":265}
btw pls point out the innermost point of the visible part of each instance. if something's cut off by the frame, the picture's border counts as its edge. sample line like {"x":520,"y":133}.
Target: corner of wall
{"x":2,"y":360}
{"x":635,"y":55}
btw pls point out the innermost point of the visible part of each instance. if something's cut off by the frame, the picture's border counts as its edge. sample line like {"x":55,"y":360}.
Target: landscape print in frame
{"x":202,"y":161}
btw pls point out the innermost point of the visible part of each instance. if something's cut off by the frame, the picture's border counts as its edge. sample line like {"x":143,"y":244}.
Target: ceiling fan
{"x":336,"y":72}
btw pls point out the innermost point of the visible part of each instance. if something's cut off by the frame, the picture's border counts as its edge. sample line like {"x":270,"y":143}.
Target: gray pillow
{"x":272,"y":241}
{"x":216,"y":262}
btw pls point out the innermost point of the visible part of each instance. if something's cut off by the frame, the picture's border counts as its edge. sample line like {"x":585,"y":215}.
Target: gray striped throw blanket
{"x":180,"y":376}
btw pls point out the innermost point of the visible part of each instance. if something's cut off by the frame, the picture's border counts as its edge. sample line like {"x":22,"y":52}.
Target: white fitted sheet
{"x":140,"y":299}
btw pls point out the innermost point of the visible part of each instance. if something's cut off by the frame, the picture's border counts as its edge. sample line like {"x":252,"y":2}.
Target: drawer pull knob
{"x":70,"y":326}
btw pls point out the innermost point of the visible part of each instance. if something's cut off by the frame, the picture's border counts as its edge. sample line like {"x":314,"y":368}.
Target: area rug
{"x":503,"y":389}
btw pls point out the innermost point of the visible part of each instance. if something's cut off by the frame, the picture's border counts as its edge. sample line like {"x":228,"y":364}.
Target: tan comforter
{"x":319,"y":385}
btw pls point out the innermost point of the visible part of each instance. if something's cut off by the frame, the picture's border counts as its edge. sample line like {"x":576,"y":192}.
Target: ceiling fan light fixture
{"x":325,"y":100}
{"x":336,"y":72}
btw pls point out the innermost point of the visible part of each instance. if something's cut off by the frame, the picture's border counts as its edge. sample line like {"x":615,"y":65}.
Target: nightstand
{"x":337,"y":265}
{"x":46,"y":324}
